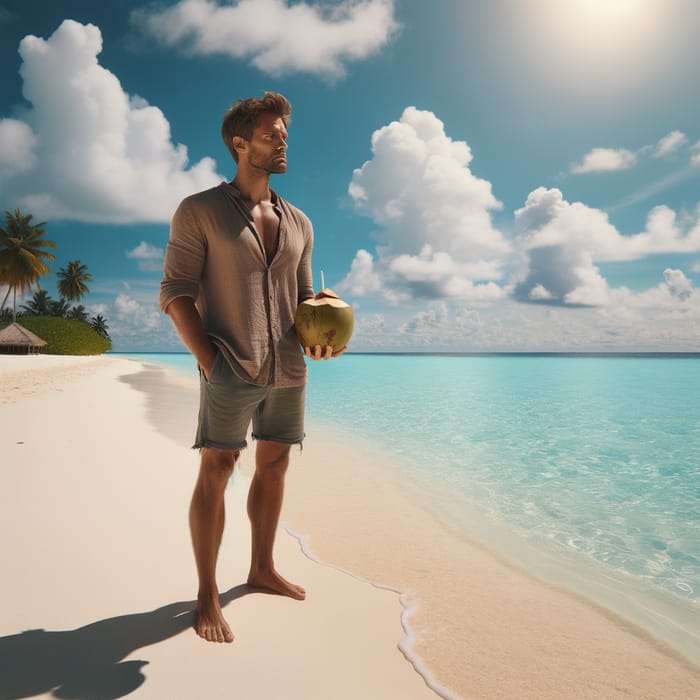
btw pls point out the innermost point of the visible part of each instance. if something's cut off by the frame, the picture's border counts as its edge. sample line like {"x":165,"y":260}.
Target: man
{"x":237,"y":264}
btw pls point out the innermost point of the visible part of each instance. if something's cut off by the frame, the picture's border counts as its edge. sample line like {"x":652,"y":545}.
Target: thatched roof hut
{"x":17,"y":340}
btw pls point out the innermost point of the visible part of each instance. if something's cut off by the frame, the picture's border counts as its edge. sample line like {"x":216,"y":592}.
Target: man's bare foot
{"x":209,"y":622}
{"x":272,"y":581}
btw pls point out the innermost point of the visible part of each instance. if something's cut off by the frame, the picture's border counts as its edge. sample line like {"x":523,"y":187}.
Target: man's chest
{"x":241,"y":244}
{"x":267,"y":225}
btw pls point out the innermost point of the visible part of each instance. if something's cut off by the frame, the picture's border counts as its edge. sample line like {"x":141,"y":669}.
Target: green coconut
{"x":324,"y":320}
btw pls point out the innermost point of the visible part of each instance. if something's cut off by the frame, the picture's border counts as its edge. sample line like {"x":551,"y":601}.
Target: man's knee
{"x":218,"y":464}
{"x":272,"y":458}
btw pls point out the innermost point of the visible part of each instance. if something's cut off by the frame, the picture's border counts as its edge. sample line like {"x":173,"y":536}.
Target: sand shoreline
{"x":483,"y":627}
{"x":665,"y":622}
{"x":474,"y":625}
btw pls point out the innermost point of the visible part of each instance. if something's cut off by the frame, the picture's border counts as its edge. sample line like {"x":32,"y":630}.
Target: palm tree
{"x":99,"y":324}
{"x":78,"y":313}
{"x":22,"y":254}
{"x":72,"y":281}
{"x":6,"y":315}
{"x":41,"y":304}
{"x":59,"y":307}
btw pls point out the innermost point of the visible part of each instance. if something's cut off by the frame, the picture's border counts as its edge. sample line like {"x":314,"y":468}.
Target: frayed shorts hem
{"x":220,"y":446}
{"x":283,"y":441}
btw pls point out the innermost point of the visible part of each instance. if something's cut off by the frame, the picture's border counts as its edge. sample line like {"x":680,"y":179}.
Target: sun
{"x":612,"y":7}
{"x":599,"y":43}
{"x":604,"y":27}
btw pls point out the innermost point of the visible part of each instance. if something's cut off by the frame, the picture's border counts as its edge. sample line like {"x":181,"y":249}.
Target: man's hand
{"x":319,"y":353}
{"x":188,"y":323}
{"x":207,"y":362}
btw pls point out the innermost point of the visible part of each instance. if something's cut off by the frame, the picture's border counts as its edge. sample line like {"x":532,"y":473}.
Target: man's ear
{"x":240,"y":144}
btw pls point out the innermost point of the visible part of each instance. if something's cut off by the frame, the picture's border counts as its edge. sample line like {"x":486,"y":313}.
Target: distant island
{"x":63,"y":336}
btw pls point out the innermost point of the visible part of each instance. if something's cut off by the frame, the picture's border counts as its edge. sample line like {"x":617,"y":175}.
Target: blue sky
{"x":517,"y":175}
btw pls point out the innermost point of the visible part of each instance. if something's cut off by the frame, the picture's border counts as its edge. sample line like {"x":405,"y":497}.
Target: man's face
{"x":268,"y":149}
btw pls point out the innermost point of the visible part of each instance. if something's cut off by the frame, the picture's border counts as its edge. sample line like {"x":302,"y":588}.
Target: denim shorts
{"x":227,"y":405}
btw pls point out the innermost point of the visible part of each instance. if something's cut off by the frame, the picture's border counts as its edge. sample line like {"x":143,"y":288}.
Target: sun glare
{"x":610,"y":27}
{"x":600,"y":40}
{"x":612,"y":7}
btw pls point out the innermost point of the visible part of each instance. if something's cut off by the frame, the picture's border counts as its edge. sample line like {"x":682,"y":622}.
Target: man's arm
{"x":182,"y":270}
{"x":188,"y":324}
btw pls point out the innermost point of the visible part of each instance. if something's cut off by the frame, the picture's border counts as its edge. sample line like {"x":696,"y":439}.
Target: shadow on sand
{"x":86,"y":663}
{"x":171,"y":407}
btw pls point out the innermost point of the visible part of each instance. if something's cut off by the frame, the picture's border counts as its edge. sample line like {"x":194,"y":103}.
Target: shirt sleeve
{"x":305,"y":284}
{"x":184,"y":256}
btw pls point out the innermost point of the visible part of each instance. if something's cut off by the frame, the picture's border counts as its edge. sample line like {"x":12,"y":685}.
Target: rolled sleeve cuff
{"x":172,"y":289}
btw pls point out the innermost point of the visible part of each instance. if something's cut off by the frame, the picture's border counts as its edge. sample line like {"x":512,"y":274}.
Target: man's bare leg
{"x":207,"y":516}
{"x":264,"y":506}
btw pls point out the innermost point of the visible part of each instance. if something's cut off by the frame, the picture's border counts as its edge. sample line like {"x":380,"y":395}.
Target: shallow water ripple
{"x":596,"y":456}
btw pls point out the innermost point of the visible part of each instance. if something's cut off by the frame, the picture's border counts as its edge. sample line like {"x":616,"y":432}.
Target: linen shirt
{"x":216,"y":256}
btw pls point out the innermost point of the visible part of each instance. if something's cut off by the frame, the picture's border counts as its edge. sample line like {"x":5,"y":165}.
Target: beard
{"x":271,"y":165}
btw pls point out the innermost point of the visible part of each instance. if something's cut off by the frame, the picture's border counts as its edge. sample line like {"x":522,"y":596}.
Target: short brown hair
{"x":242,"y":118}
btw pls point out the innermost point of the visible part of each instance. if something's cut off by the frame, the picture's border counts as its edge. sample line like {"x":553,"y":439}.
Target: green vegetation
{"x":22,"y":254}
{"x":67,"y":329}
{"x":65,"y":336}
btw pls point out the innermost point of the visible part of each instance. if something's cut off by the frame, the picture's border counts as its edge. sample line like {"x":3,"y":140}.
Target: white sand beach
{"x":98,"y":578}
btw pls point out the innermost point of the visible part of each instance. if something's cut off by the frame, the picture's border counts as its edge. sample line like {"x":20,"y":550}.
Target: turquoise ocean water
{"x":592,"y":460}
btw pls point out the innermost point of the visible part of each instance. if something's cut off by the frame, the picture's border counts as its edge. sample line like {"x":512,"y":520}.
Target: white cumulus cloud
{"x":439,"y":326}
{"x":145,"y":251}
{"x":605,"y":160}
{"x":140,"y":316}
{"x":672,"y":300}
{"x":438,"y":276}
{"x":678,"y":284}
{"x":365,"y":280}
{"x":539,"y":293}
{"x":437,"y":238}
{"x":669,"y":144}
{"x":370,"y":331}
{"x":278,"y":37}
{"x":86,"y":150}
{"x":695,"y":153}
{"x":428,"y":325}
{"x":563,"y":242}
{"x":149,"y":257}
{"x":17,"y":148}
